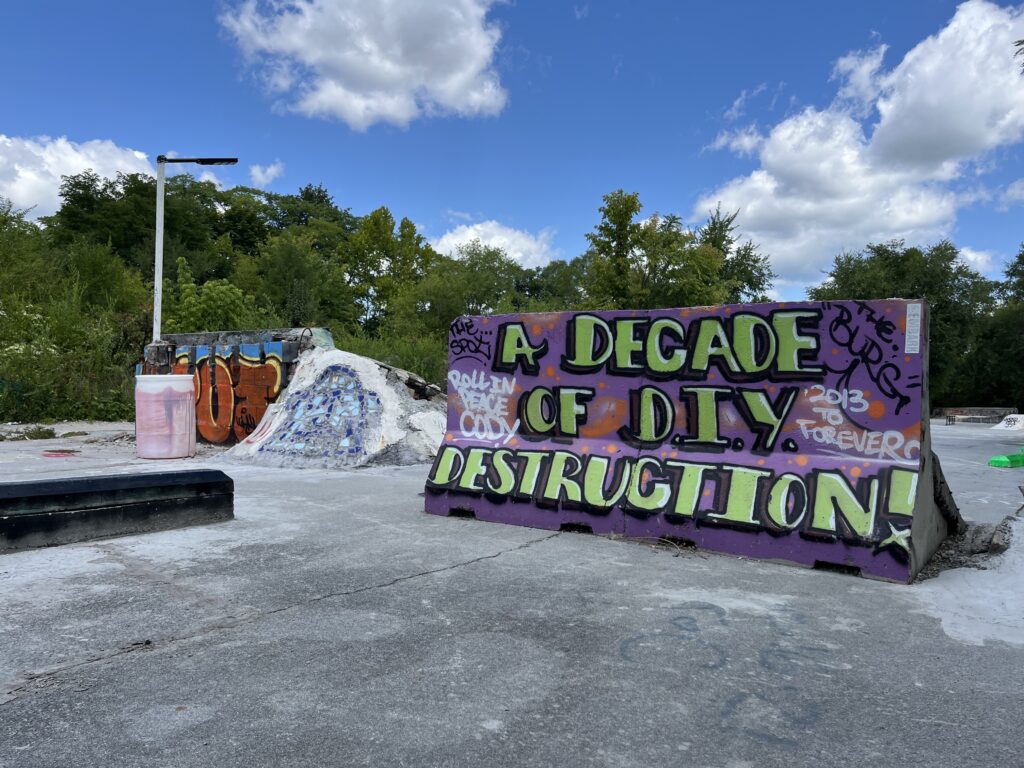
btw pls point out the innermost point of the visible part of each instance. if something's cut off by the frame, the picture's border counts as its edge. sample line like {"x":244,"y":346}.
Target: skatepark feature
{"x":344,"y":410}
{"x":1015,"y":421}
{"x":287,"y":397}
{"x":794,"y":431}
{"x":44,"y":513}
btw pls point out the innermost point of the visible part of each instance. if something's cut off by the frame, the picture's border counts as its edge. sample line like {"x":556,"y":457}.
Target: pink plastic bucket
{"x":165,"y":417}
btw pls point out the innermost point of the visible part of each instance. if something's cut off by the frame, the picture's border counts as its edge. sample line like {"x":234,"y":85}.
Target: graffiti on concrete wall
{"x":235,"y":384}
{"x":332,"y":418}
{"x":790,"y":431}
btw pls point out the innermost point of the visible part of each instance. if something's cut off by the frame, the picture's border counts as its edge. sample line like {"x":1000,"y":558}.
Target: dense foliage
{"x":76,"y":287}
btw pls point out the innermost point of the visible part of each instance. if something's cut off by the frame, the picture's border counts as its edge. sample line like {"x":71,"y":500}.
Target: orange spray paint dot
{"x":673,"y":454}
{"x":550,"y":371}
{"x":514,"y":441}
{"x":866,"y":395}
{"x":906,"y":358}
{"x":600,"y":385}
{"x":855,"y":471}
{"x":585,"y":449}
{"x":801,"y":461}
{"x":449,"y":437}
{"x":760,"y":462}
{"x":877,"y":409}
{"x":835,"y":351}
{"x":536,"y":330}
{"x":486,"y":321}
{"x":612,"y":448}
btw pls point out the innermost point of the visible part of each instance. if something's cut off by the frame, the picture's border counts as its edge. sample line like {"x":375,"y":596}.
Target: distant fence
{"x":976,"y":415}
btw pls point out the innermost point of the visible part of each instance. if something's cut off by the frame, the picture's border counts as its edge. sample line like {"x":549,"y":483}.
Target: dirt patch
{"x":29,"y":433}
{"x":971,"y":548}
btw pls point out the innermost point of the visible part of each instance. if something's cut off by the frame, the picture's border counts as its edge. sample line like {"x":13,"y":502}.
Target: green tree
{"x":747,"y":274}
{"x":657,"y":262}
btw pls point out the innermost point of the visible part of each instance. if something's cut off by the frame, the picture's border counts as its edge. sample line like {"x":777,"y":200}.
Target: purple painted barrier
{"x":790,"y":431}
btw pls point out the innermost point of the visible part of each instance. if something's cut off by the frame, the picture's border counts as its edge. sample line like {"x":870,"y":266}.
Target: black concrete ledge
{"x":45,"y":513}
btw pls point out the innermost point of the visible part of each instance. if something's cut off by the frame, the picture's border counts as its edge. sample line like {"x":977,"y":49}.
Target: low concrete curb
{"x":45,"y":513}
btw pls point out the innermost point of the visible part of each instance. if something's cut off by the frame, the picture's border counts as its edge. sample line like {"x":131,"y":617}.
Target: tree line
{"x":76,"y":287}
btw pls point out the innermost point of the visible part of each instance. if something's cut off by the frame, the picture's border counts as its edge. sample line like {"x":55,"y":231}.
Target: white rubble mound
{"x":344,"y":410}
{"x":1014,"y":421}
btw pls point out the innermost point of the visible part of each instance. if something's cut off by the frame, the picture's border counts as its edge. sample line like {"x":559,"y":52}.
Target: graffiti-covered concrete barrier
{"x":793,"y":432}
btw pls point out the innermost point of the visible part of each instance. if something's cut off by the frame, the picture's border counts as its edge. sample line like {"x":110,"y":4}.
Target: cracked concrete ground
{"x":333,"y":623}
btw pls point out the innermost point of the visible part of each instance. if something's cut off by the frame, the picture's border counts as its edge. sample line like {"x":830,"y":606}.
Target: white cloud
{"x":30,"y":168}
{"x":389,"y":61}
{"x":262,"y":176}
{"x":982,"y":261}
{"x":828,"y":182}
{"x":211,"y":176}
{"x":1013,"y":194}
{"x":744,"y":141}
{"x":860,"y":73}
{"x":529,"y":250}
{"x":736,"y":111}
{"x":956,"y":94}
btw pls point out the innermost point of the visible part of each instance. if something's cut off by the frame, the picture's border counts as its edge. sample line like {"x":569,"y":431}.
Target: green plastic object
{"x":1008,"y":462}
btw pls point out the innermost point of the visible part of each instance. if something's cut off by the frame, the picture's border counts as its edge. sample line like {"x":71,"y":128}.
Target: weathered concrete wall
{"x":238,"y":374}
{"x":795,"y":432}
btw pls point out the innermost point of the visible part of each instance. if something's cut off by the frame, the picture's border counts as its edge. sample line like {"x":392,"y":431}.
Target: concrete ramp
{"x":1014,"y":422}
{"x":344,"y":410}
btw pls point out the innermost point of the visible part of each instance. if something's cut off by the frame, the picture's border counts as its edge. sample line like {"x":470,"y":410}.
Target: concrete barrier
{"x":44,"y":513}
{"x":794,"y":432}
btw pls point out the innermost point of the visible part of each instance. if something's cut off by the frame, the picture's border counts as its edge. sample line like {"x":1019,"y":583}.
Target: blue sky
{"x":826,"y":125}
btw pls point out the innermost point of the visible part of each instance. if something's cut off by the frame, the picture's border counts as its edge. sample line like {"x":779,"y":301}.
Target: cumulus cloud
{"x":262,"y":176}
{"x":211,"y":176}
{"x":1013,"y":194}
{"x":983,"y":261}
{"x":830,"y":180}
{"x":390,"y":61}
{"x":527,"y":249}
{"x":30,"y":168}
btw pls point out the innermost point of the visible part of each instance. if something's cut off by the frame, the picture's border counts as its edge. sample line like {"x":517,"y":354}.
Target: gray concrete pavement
{"x":333,"y":623}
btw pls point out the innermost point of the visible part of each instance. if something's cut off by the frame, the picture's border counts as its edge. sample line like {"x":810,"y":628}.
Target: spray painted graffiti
{"x":332,"y":418}
{"x":785,"y":431}
{"x":485,"y":401}
{"x":467,"y":339}
{"x":235,"y":384}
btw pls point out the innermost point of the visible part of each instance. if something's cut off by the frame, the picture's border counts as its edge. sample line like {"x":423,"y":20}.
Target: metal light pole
{"x":158,"y":271}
